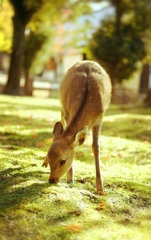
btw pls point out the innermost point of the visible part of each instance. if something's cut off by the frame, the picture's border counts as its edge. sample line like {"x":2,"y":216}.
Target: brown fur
{"x":85,"y":93}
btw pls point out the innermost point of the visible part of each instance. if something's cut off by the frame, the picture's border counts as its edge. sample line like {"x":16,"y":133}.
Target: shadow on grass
{"x":131,"y":186}
{"x":129,"y":128}
{"x":20,"y":140}
{"x":11,"y":194}
{"x":126,"y":124}
{"x":24,"y":123}
{"x":130,"y":109}
{"x":19,"y":131}
{"x":23,"y":131}
{"x":130,"y":193}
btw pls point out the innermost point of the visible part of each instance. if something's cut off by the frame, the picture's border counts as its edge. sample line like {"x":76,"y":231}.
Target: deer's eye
{"x":62,"y":162}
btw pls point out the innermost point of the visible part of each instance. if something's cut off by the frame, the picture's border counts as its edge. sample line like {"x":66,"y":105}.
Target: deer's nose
{"x":51,"y":181}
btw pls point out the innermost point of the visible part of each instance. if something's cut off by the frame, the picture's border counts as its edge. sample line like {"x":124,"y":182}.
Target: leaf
{"x":101,"y":205}
{"x":101,"y":193}
{"x":35,"y":135}
{"x":5,"y":123}
{"x":75,"y":228}
{"x":144,"y":137}
{"x":40,"y":144}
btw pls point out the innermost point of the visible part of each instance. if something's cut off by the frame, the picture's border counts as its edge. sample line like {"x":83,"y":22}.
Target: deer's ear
{"x":80,"y":136}
{"x":58,"y":130}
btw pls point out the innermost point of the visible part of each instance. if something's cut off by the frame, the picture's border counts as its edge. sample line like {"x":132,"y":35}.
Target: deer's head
{"x":61,"y":152}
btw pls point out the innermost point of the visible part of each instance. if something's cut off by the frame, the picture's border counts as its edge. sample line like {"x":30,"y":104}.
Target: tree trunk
{"x":13,"y":83}
{"x":113,"y":96}
{"x":28,"y":87}
{"x":147,"y":100}
{"x":144,"y":79}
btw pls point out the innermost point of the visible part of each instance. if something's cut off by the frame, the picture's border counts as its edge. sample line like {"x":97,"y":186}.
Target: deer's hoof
{"x":44,"y":164}
{"x":101,"y":193}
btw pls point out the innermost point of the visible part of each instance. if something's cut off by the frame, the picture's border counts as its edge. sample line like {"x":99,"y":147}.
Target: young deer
{"x":85,"y":94}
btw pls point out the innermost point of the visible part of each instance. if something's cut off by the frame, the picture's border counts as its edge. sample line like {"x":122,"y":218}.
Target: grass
{"x":31,"y":208}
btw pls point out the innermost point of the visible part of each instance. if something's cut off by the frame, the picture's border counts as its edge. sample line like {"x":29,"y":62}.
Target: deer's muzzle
{"x":51,"y":180}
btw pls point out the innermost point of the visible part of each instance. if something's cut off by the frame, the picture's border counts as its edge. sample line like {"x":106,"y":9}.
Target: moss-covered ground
{"x":31,"y":208}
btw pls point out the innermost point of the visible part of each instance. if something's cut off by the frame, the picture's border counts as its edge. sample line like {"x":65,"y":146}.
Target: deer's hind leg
{"x":96,"y":150}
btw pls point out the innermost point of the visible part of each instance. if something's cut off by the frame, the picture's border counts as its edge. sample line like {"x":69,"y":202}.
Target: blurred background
{"x":40,"y":40}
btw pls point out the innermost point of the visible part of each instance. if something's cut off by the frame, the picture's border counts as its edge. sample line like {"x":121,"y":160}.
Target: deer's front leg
{"x":96,"y":151}
{"x":70,"y":175}
{"x":45,"y":163}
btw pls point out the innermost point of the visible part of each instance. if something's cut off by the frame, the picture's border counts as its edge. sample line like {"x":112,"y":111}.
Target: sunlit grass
{"x":31,"y":208}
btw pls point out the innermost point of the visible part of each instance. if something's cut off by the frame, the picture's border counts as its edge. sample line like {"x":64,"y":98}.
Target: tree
{"x":147,"y":100}
{"x":33,"y":45}
{"x":6,"y":32}
{"x":119,"y":41}
{"x":147,"y":62}
{"x":44,"y":42}
{"x":23,"y":11}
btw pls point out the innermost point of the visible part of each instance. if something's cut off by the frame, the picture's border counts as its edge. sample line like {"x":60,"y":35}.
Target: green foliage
{"x":6,"y":32}
{"x":31,"y":49}
{"x":118,"y":50}
{"x":32,"y":208}
{"x":119,"y":42}
{"x":44,"y":33}
{"x":24,"y":10}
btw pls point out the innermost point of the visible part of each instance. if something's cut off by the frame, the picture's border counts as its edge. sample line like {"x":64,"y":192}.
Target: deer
{"x":85,"y":93}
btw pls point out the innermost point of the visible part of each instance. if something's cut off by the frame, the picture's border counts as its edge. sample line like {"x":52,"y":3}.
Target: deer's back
{"x":85,"y":94}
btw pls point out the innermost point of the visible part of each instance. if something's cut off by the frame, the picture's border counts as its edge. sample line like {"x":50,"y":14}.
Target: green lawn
{"x":31,"y":208}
